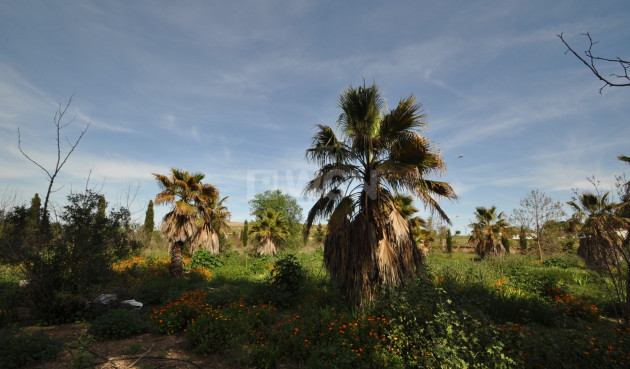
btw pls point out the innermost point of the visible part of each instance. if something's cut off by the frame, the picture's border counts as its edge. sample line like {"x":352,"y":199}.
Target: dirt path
{"x":144,"y":351}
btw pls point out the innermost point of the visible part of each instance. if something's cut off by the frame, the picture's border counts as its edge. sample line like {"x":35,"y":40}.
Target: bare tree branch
{"x":589,"y":60}
{"x":61,"y":158}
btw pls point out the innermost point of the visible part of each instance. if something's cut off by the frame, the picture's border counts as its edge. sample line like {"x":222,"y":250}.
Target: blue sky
{"x":234,"y":89}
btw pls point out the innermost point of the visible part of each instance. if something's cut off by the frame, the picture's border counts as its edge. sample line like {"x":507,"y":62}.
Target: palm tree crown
{"x":375,"y":155}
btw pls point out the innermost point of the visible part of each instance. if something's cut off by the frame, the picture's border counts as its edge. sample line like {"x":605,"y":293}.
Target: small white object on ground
{"x":134,"y":303}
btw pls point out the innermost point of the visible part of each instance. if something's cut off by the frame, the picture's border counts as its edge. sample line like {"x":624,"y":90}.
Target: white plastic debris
{"x":134,"y":303}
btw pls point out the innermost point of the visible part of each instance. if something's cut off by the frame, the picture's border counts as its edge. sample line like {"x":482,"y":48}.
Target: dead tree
{"x":61,"y":158}
{"x":590,"y":60}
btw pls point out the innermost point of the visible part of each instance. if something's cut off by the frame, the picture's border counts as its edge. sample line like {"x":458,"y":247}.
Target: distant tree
{"x":270,"y":230}
{"x":522,"y":238}
{"x":505,"y":241}
{"x":282,"y":203}
{"x":590,"y":60}
{"x":535,"y":212}
{"x":286,"y":206}
{"x":487,"y":232}
{"x":320,"y":234}
{"x":149,"y":221}
{"x":449,"y":241}
{"x":187,"y":195}
{"x":34,"y":211}
{"x":245,"y":234}
{"x":33,"y":225}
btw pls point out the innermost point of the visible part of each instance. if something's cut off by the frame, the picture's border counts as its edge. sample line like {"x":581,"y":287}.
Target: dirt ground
{"x":144,"y":351}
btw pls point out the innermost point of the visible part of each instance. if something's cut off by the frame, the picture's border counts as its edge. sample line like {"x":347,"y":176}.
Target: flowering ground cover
{"x":503,"y":313}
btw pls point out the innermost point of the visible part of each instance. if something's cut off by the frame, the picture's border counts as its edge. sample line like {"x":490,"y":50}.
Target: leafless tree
{"x":537,"y":210}
{"x":591,"y":61}
{"x":59,"y":123}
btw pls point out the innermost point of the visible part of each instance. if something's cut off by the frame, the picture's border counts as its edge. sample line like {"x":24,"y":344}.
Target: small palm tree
{"x":211,"y":223}
{"x":185,"y":192}
{"x":270,"y":230}
{"x":375,"y":155}
{"x":487,"y":232}
{"x":597,"y":223}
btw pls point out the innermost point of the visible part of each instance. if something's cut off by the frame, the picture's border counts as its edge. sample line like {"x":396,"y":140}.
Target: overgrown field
{"x":268,"y":312}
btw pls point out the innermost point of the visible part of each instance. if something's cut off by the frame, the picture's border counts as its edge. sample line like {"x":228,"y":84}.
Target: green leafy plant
{"x":81,"y":355}
{"x":560,"y":262}
{"x":219,"y":330}
{"x":117,"y":324}
{"x":17,"y":351}
{"x":205,"y":259}
{"x":287,"y":278}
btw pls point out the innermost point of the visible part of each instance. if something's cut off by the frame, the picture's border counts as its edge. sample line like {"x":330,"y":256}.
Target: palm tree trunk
{"x":175,"y":267}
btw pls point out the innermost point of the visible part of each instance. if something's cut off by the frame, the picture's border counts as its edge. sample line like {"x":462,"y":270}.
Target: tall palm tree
{"x":487,"y":232}
{"x":188,"y":196}
{"x":270,"y":229}
{"x":374,"y":155}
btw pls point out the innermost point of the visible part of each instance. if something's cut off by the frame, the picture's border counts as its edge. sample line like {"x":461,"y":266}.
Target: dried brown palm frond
{"x":371,"y":251}
{"x":178,"y":227}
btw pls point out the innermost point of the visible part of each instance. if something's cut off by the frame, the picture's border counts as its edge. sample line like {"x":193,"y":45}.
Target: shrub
{"x":561,"y":262}
{"x":425,"y":329}
{"x":287,"y":279}
{"x":259,"y":264}
{"x":175,"y":316}
{"x":219,"y":330}
{"x":287,"y":274}
{"x":117,"y":324}
{"x":68,"y":259}
{"x":26,"y":349}
{"x":203,"y":258}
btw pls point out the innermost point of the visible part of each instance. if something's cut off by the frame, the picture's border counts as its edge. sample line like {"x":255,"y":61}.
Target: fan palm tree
{"x":188,"y":196}
{"x":374,"y":155}
{"x":597,"y":221}
{"x":270,"y":230}
{"x":487,"y":232}
{"x":211,"y":223}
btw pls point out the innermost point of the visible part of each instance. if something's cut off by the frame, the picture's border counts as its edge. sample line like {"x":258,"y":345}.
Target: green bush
{"x":287,"y":274}
{"x":287,"y":278}
{"x":219,"y":331}
{"x":425,"y":329}
{"x":70,"y":258}
{"x":205,"y":259}
{"x":27,"y":349}
{"x":117,"y":324}
{"x":259,"y":264}
{"x":561,"y":262}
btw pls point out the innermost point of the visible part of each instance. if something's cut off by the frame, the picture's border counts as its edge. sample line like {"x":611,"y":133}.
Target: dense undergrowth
{"x":265,"y":312}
